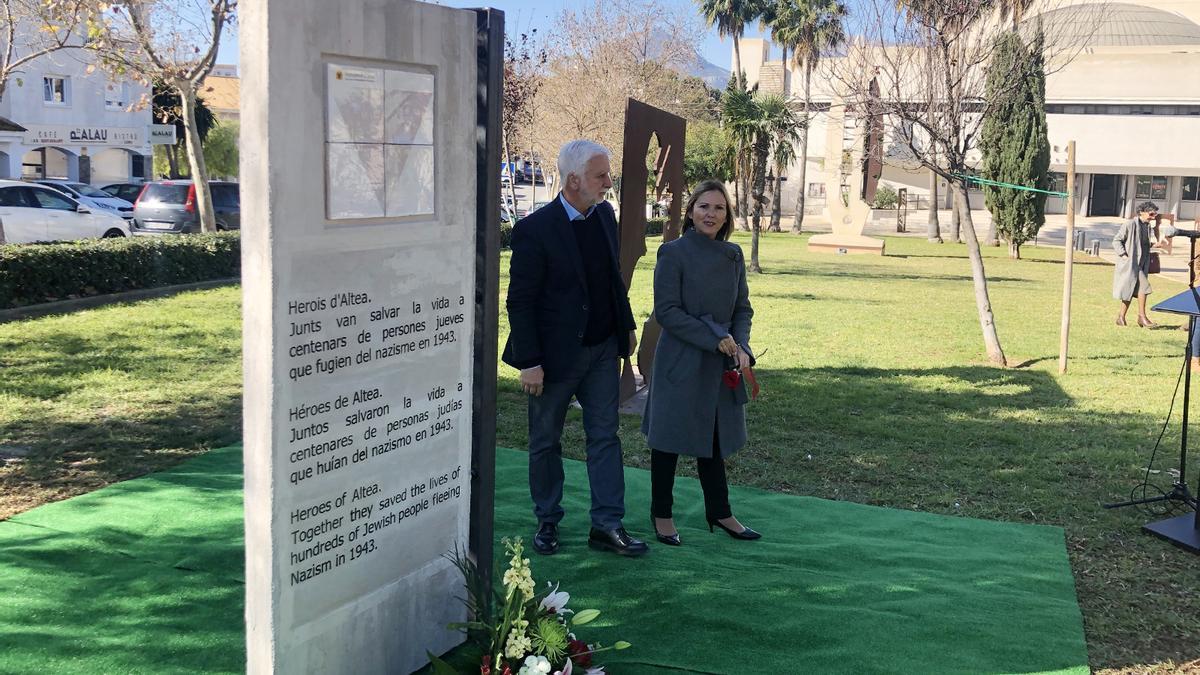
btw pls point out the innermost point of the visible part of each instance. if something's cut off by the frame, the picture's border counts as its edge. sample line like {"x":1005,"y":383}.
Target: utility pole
{"x":1069,"y":252}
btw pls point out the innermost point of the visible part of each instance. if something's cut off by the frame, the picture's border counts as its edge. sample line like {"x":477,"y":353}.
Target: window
{"x":816,"y":190}
{"x":225,"y":196}
{"x":1191,"y":189}
{"x":116,"y":95}
{"x":1058,"y":182}
{"x":54,"y":90}
{"x":1151,"y":187}
{"x":13,"y":196}
{"x":52,"y":200}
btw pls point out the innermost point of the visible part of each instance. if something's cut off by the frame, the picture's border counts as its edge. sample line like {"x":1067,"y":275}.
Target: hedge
{"x":35,"y":273}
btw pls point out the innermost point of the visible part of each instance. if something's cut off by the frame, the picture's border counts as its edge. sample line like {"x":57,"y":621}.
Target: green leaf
{"x":440,"y":667}
{"x":586,"y":616}
{"x":621,"y":644}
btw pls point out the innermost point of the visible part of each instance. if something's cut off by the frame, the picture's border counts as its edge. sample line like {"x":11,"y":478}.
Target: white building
{"x":77,"y":125}
{"x":1130,"y":100}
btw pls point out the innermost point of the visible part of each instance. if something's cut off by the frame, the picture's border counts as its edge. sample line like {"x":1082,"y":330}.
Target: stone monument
{"x":853,"y":163}
{"x":369,"y":302}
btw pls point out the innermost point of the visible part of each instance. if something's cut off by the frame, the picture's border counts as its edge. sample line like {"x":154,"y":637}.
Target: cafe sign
{"x":36,"y":134}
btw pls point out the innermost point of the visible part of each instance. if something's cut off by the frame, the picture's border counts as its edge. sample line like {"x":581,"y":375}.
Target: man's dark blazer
{"x":547,"y":291}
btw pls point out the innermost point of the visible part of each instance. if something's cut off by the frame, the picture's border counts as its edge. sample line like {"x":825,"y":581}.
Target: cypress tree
{"x":1014,"y":140}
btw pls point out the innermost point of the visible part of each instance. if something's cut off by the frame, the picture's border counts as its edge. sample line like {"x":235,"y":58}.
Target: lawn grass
{"x":876,"y":390}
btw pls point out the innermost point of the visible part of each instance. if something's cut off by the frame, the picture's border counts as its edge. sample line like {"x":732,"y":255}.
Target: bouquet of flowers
{"x":521,"y":631}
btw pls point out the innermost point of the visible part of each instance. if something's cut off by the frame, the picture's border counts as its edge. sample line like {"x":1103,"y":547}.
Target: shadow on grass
{"x":94,"y":410}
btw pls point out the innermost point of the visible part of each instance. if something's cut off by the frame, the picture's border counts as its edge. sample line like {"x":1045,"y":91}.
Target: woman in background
{"x":1131,"y":276}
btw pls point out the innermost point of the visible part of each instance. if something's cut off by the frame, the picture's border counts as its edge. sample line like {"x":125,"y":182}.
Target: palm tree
{"x":814,"y":28}
{"x":782,"y":17}
{"x":730,"y":18}
{"x":765,"y":125}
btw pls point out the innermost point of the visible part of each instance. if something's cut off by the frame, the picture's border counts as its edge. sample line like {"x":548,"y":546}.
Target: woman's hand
{"x":728,"y":346}
{"x":743,"y":359}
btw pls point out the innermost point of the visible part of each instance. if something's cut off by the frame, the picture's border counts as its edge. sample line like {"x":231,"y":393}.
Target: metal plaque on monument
{"x":369,"y":165}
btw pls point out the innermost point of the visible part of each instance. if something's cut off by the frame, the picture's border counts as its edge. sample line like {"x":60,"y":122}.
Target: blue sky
{"x":540,"y":14}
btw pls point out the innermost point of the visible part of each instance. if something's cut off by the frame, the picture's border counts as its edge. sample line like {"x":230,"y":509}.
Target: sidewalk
{"x":1052,"y":234}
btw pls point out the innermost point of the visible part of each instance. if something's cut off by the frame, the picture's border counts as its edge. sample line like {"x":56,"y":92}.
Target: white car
{"x":97,"y":199}
{"x":32,"y":213}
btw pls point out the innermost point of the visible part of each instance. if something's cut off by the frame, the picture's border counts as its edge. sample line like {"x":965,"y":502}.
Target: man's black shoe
{"x":545,"y":540}
{"x":618,"y":541}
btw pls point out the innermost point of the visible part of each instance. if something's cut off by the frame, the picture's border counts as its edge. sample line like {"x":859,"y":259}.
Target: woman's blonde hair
{"x":710,"y":185}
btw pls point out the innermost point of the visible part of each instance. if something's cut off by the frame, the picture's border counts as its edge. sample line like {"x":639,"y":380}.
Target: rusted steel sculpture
{"x":643,"y":122}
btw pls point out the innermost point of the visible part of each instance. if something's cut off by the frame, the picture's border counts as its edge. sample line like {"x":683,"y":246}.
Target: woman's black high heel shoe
{"x":746,"y":534}
{"x":669,"y":540}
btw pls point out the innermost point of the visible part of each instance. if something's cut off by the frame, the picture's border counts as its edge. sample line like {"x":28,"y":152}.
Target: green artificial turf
{"x":144,"y":576}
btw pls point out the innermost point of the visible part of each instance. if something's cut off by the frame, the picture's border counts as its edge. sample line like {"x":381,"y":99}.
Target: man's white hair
{"x":574,"y":156}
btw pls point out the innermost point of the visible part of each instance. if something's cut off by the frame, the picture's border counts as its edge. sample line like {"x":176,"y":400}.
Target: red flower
{"x":485,"y":668}
{"x":578,"y":651}
{"x":506,"y":671}
{"x":732,"y":378}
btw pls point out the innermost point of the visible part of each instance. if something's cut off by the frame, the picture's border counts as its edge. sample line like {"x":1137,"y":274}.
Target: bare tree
{"x":524,"y":62}
{"x":176,"y":43}
{"x":931,"y":59}
{"x":640,"y":53}
{"x":35,"y":28}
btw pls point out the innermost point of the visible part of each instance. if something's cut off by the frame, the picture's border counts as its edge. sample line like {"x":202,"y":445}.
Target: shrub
{"x":654,"y":226}
{"x":37,"y":273}
{"x":506,"y":229}
{"x":885,"y":198}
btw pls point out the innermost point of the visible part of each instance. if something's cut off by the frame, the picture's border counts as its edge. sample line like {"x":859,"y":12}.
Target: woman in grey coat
{"x":1131,"y":277}
{"x":702,"y":302}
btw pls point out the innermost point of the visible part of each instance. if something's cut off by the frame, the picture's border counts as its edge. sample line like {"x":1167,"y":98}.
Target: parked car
{"x":533,"y":174}
{"x":127,"y":191}
{"x":169,"y":207}
{"x":93,"y":197}
{"x":31,"y":212}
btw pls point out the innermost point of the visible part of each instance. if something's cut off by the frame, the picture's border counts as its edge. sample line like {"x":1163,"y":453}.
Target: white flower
{"x":556,"y":601}
{"x":595,"y":670}
{"x":535,"y":665}
{"x":567,"y":669}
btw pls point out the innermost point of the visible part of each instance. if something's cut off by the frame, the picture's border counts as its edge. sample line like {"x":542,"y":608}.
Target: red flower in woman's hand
{"x":506,"y":671}
{"x":578,"y":651}
{"x":732,"y":378}
{"x":485,"y":668}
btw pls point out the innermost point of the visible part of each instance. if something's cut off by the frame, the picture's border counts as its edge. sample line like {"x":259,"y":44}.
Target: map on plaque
{"x":379,"y":142}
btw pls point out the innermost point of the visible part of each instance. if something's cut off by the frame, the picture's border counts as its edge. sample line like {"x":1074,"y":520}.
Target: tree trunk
{"x":955,"y":217}
{"x":982,"y":303}
{"x":512,"y":188}
{"x":737,"y":64}
{"x":776,"y":188}
{"x":1014,"y":250}
{"x":992,"y":238}
{"x":802,"y":188}
{"x":172,"y":152}
{"x":935,"y":230}
{"x":195,"y":154}
{"x":3,"y":240}
{"x":759,"y":173}
{"x":738,"y":197}
{"x":743,"y":177}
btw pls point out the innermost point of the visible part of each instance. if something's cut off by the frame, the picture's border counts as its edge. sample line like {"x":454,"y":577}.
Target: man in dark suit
{"x":569,"y":322}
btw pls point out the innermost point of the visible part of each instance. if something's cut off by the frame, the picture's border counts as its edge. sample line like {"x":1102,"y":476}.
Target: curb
{"x":68,"y":306}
